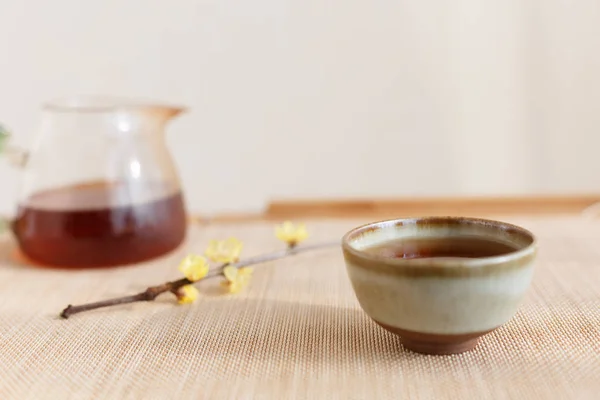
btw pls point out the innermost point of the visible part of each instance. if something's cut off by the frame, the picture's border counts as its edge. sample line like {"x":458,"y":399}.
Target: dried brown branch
{"x":153,"y":292}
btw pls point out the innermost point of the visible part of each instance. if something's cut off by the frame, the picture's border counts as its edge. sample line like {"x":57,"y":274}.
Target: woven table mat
{"x":296,"y":332}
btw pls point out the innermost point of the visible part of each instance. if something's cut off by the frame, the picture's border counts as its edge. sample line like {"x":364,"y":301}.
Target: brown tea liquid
{"x":93,"y":225}
{"x":455,"y":247}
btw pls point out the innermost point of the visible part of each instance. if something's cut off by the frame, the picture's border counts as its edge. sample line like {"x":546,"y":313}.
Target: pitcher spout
{"x":162,"y":113}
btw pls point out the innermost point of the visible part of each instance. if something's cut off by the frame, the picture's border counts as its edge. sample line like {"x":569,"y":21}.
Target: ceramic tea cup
{"x":440,"y":283}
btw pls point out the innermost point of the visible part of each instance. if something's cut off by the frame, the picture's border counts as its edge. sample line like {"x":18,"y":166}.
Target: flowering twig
{"x":195,"y":268}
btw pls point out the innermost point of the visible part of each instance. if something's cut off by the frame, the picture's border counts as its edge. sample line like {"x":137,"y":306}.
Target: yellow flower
{"x":224,"y":251}
{"x":291,"y":233}
{"x":194,"y":267}
{"x":187,"y":294}
{"x":236,"y":278}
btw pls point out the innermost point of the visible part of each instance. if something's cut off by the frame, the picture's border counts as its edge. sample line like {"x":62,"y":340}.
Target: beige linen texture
{"x":296,"y":333}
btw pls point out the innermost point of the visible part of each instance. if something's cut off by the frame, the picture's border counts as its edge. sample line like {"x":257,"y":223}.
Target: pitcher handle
{"x":15,"y":155}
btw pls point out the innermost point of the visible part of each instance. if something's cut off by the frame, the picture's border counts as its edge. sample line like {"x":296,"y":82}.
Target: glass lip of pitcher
{"x":109,"y":104}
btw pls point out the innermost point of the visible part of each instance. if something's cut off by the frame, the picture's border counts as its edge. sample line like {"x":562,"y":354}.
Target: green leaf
{"x":3,"y":138}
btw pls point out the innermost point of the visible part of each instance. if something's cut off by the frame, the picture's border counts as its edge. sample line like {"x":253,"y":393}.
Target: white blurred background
{"x":321,"y":99}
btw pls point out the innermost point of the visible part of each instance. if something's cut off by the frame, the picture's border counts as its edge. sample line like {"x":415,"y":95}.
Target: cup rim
{"x":433,"y":262}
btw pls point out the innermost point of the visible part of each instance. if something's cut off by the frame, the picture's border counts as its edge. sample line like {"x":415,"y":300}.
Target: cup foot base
{"x":425,"y":347}
{"x":436,"y":344}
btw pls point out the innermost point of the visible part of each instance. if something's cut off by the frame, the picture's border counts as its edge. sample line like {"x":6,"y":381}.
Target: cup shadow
{"x":280,"y":334}
{"x":272,"y":329}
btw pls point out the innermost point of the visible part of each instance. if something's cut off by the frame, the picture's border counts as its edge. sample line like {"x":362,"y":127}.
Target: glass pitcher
{"x":99,"y":186}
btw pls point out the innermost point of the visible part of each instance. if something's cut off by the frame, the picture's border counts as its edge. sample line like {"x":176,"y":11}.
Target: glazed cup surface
{"x":439,"y":305}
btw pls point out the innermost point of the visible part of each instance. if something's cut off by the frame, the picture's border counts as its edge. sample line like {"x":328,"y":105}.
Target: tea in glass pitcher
{"x":99,"y":187}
